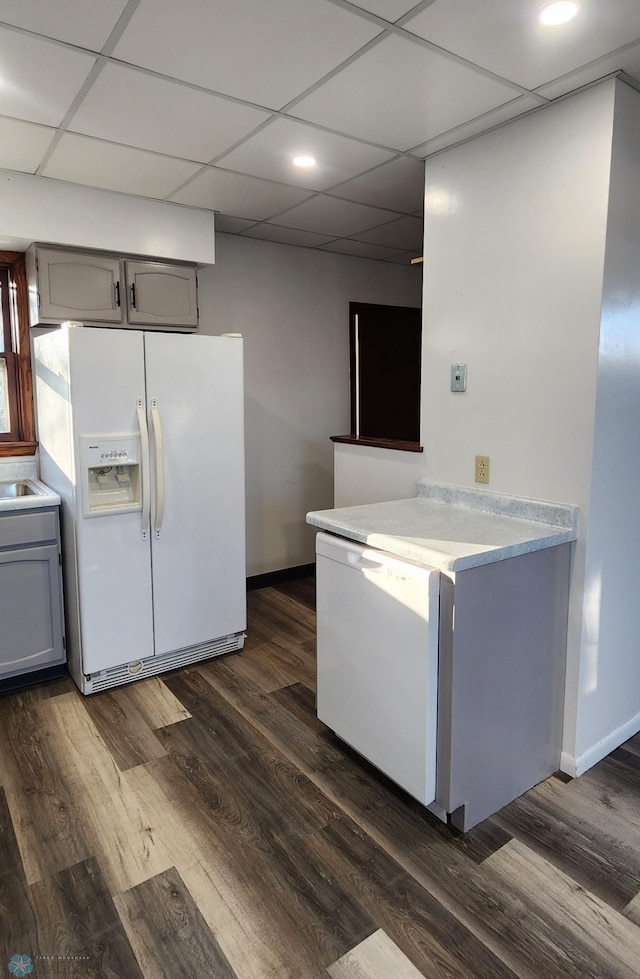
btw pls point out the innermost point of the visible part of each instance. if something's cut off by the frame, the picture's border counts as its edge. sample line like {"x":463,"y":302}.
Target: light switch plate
{"x":458,"y":377}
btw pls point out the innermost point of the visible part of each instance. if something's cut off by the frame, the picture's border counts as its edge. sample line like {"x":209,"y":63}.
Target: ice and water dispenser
{"x":111,"y":477}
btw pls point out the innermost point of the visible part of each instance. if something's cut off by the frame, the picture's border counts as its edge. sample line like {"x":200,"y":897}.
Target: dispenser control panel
{"x":110,"y":473}
{"x":108,"y":450}
{"x":116,"y":455}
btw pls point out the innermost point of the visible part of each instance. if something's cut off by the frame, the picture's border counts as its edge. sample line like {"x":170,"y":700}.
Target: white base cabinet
{"x":477,"y":656}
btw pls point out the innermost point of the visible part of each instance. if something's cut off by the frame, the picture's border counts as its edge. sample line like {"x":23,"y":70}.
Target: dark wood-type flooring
{"x":205,"y":823}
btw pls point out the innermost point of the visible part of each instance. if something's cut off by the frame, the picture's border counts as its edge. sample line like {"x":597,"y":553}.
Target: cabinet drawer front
{"x":28,"y":527}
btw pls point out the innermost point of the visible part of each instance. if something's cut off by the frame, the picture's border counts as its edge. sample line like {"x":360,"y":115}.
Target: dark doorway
{"x":385,"y":351}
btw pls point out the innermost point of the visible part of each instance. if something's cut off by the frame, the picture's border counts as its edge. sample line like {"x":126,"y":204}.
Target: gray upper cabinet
{"x":161,"y":295}
{"x":103,"y":289}
{"x":74,"y":286}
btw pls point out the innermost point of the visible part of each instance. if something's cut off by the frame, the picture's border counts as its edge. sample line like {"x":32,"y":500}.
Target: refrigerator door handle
{"x":156,"y":425}
{"x":146,"y":478}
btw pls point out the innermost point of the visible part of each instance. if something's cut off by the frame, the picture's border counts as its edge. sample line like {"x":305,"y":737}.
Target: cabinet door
{"x":161,"y":295}
{"x":30,"y":610}
{"x":78,"y":286}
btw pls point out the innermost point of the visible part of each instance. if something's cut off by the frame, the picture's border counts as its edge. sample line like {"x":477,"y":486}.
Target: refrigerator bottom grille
{"x":118,"y":675}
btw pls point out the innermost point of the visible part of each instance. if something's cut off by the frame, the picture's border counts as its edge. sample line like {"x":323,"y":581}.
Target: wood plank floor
{"x":205,"y":823}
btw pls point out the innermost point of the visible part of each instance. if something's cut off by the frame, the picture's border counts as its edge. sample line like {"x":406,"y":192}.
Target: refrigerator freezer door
{"x":114,"y":573}
{"x":378,"y":659}
{"x":195,"y":391}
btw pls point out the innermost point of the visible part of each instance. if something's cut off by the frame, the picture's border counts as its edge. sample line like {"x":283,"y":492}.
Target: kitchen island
{"x":500,"y":619}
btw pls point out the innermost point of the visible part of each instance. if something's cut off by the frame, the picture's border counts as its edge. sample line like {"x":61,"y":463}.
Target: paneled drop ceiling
{"x":206,"y":102}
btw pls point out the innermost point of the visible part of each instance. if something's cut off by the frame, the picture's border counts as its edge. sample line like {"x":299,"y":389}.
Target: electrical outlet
{"x":482,"y":469}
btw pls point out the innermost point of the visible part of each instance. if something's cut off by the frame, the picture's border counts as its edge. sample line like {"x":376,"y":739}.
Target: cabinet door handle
{"x":133,"y":295}
{"x":117,"y":292}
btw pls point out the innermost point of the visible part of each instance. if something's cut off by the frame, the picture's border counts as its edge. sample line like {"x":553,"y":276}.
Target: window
{"x":17,"y":427}
{"x":385,"y":369}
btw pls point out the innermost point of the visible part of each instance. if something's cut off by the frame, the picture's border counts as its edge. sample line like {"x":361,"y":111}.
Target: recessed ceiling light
{"x":304,"y":161}
{"x":554,"y":14}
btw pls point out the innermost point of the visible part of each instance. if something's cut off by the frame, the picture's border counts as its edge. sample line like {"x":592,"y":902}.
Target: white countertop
{"x":453,"y":528}
{"x":43,"y":497}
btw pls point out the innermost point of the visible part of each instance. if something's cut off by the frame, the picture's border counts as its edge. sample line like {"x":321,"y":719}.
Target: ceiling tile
{"x":480,"y":125}
{"x":424,"y":95}
{"x":244,"y":197}
{"x":231,"y":225}
{"x":129,"y":106}
{"x":22,"y":145}
{"x":391,"y":10}
{"x":628,"y":61}
{"x":83,"y":160}
{"x":269,"y":154}
{"x":286,"y":236}
{"x":39,"y":79}
{"x":405,"y":233}
{"x":329,"y":216}
{"x":346,"y":246}
{"x":398,"y":185}
{"x":266,"y":53}
{"x":506,"y":36}
{"x":87,"y":23}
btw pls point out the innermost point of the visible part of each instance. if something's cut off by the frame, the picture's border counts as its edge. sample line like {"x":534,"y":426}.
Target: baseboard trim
{"x":278,"y":577}
{"x":578,"y":765}
{"x":9,"y":684}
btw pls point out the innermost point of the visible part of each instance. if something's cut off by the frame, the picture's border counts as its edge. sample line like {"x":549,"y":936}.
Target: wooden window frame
{"x":21,"y":441}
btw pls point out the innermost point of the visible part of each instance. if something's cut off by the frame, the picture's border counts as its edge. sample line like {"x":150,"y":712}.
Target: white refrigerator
{"x":142,"y":435}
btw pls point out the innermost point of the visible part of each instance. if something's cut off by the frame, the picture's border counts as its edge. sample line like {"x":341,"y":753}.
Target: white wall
{"x":41,"y":209}
{"x":609,"y":692}
{"x":514,"y":256}
{"x":291,"y":304}
{"x":514,"y":244}
{"x":514,"y":249}
{"x":367,"y":474}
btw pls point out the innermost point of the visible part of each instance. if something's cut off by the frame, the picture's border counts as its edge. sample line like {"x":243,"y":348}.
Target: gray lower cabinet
{"x":31,"y":616}
{"x":502,"y":652}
